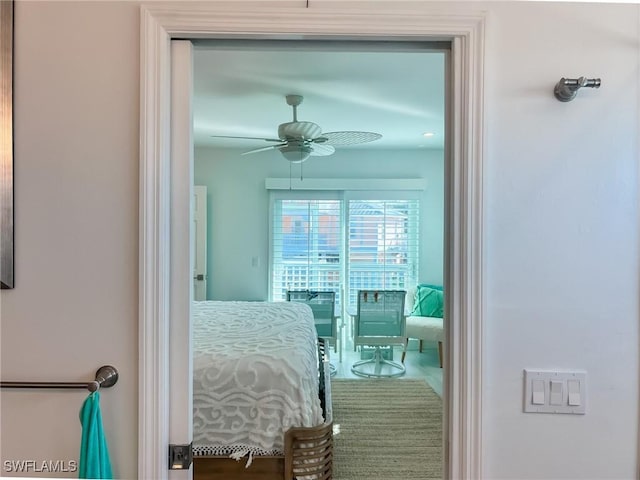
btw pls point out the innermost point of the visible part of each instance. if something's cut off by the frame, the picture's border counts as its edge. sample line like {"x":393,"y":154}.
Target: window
{"x":355,"y":243}
{"x":382,"y":245}
{"x":306,"y":246}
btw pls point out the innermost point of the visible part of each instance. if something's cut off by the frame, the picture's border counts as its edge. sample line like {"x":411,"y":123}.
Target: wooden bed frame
{"x":308,"y":451}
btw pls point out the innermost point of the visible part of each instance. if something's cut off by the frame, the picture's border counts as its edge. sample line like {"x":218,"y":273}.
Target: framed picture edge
{"x":7,"y":273}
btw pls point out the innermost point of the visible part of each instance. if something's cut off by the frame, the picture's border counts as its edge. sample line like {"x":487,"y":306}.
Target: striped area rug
{"x":386,"y":429}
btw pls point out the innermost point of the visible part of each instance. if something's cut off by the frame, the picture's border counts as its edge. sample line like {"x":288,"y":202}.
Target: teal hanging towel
{"x":94,"y":454}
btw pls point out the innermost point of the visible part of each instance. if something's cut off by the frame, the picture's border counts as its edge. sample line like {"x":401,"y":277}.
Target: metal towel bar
{"x":106,"y":377}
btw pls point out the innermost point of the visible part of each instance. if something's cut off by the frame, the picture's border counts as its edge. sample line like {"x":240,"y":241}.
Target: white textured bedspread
{"x":255,"y":375}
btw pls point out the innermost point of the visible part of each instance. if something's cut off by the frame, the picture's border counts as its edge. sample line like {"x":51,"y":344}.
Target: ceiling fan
{"x":298,"y":140}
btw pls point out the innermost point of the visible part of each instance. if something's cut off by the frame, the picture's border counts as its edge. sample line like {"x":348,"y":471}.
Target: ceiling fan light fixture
{"x":296,"y":153}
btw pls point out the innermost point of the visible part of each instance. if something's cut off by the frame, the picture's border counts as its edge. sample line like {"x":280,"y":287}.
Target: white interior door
{"x":200,"y":242}
{"x":181,"y":266}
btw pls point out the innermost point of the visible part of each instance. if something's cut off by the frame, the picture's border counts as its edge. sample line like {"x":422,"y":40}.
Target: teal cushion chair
{"x":426,"y":320}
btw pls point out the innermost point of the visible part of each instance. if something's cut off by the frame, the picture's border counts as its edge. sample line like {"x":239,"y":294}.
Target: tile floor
{"x":418,"y":365}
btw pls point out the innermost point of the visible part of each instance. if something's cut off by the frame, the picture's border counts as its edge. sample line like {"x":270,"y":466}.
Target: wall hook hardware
{"x":567,"y":88}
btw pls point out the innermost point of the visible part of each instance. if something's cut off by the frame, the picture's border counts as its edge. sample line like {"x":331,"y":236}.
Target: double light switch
{"x":555,"y":392}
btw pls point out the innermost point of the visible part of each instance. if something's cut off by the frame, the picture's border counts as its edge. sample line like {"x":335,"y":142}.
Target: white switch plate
{"x":548,"y":376}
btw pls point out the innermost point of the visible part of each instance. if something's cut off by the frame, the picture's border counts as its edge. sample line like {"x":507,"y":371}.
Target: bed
{"x":261,"y":392}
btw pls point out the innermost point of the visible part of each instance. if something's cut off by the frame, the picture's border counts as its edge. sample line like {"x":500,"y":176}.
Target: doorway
{"x":393,"y":88}
{"x":463,"y":269}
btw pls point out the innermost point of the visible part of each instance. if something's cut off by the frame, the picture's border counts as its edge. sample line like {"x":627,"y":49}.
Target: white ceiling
{"x":396,"y":90}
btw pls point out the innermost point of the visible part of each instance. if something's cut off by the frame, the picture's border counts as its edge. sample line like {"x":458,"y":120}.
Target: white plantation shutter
{"x":320,"y":243}
{"x":306,"y":249}
{"x":382,"y":245}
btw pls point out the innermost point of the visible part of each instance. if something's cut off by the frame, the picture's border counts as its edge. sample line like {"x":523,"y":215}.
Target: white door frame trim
{"x":464,"y":269}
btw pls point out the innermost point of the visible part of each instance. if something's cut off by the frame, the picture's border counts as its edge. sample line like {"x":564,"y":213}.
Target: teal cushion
{"x":428,"y":303}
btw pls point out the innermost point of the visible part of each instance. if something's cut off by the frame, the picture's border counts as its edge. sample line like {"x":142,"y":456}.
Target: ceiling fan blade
{"x":320,"y":150}
{"x":263,"y":149}
{"x":346,"y":138}
{"x":248,"y":138}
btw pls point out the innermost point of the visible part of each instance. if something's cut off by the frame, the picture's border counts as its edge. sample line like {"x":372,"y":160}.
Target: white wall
{"x":561,"y":185}
{"x":561,"y":231}
{"x":238,"y":209}
{"x":75,"y":305}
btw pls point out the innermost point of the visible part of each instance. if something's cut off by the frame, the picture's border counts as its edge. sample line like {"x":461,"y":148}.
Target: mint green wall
{"x":238,"y":209}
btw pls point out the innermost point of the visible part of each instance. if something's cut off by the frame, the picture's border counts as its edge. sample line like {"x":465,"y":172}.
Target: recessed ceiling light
{"x":428,"y":134}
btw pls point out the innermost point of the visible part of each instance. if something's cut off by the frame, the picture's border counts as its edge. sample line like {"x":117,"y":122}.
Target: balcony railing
{"x":301,"y":276}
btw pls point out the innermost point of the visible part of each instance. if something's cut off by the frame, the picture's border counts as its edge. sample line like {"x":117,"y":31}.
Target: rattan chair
{"x":379,"y":322}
